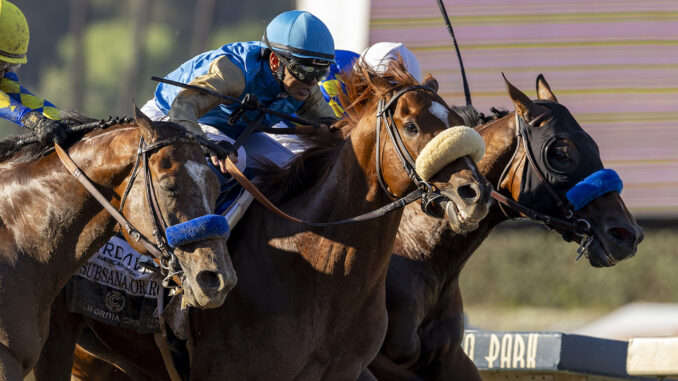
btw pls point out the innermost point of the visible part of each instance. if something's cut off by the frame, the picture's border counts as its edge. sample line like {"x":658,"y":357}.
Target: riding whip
{"x":467,"y":92}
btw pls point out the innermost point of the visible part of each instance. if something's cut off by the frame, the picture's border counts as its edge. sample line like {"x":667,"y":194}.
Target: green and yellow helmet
{"x":13,"y":33}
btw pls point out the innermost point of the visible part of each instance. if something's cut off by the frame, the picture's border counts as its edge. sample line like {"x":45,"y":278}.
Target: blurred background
{"x":613,"y":63}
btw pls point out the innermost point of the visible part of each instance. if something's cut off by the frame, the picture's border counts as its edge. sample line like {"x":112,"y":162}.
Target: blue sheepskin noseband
{"x":597,"y":184}
{"x":197,"y":229}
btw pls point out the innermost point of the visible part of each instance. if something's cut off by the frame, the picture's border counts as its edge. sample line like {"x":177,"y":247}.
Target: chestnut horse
{"x":426,"y":317}
{"x":50,"y":224}
{"x":310,"y":302}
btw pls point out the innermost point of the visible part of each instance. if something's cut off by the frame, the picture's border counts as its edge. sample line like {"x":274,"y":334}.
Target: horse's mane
{"x":469,"y":114}
{"x":11,"y":149}
{"x":364,"y":87}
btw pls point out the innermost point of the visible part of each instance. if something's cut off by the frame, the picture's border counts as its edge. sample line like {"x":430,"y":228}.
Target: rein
{"x":580,"y":227}
{"x":161,"y":250}
{"x":425,"y":191}
{"x":233,"y":170}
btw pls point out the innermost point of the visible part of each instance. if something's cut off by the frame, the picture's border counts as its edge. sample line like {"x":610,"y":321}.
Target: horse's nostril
{"x":468,"y":192}
{"x":621,"y":235}
{"x":210,"y":280}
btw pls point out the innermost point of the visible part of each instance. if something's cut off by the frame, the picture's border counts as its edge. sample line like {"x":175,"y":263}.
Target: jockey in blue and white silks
{"x":376,"y":56}
{"x":282,"y":71}
{"x":235,"y":69}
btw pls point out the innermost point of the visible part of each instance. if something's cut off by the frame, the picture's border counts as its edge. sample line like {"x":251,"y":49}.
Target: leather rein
{"x":160,"y":249}
{"x":425,"y":190}
{"x":578,"y":226}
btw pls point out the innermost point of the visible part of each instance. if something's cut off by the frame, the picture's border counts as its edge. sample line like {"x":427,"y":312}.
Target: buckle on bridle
{"x":583,"y":227}
{"x":584,"y":230}
{"x":584,"y":245}
{"x":429,"y":198}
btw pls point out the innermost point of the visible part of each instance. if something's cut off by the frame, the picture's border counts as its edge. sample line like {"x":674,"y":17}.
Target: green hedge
{"x":531,"y":266}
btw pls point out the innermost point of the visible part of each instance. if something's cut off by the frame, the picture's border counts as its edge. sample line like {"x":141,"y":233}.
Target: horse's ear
{"x":524,"y":106}
{"x":544,"y":90}
{"x":431,"y":82}
{"x":146,"y":125}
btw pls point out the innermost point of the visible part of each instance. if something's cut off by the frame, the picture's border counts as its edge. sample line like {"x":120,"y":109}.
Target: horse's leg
{"x":441,"y":346}
{"x":453,"y":366}
{"x":87,"y":367}
{"x":10,"y":367}
{"x":366,"y":375}
{"x":135,"y":354}
{"x":386,"y":370}
{"x":56,"y":357}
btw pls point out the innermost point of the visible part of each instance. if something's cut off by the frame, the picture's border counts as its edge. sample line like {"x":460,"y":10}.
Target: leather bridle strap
{"x":530,"y":158}
{"x":92,"y":189}
{"x":247,"y":184}
{"x":385,"y":116}
{"x":577,"y":228}
{"x":580,"y":227}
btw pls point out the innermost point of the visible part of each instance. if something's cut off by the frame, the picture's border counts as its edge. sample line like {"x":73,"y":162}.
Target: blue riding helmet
{"x":299,"y":34}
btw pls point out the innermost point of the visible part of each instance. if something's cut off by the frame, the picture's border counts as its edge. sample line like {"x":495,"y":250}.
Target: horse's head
{"x":415,"y":143}
{"x":555,"y":155}
{"x":184,"y":188}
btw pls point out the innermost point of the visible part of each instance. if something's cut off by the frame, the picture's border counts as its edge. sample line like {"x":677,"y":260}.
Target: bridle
{"x":426,"y":192}
{"x":429,"y":194}
{"x":568,"y":223}
{"x":160,"y":249}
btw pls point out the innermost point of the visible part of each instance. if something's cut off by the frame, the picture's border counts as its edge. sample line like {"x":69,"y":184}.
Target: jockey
{"x":330,"y":86}
{"x":376,"y":56}
{"x":380,"y":54}
{"x":17,"y":104}
{"x":282,"y":71}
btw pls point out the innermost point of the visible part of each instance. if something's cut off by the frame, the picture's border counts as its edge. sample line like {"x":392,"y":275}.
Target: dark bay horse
{"x":426,"y":318}
{"x":310,"y":303}
{"x":50,"y":224}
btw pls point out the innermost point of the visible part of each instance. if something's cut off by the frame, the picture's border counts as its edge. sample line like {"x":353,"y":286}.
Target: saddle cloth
{"x":113,"y":288}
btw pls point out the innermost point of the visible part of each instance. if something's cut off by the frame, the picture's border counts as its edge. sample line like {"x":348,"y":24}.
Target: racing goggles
{"x":307,"y":73}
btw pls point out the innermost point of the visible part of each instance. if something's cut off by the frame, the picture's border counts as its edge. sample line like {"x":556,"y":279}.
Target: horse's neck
{"x":56,"y":222}
{"x":347,"y":190}
{"x":432,"y":240}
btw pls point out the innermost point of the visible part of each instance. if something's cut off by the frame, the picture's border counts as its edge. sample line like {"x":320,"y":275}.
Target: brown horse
{"x":50,"y":224}
{"x":426,"y":318}
{"x":310,"y":302}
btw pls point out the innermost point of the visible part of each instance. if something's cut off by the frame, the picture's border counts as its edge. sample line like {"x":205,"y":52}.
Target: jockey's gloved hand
{"x":249,"y":102}
{"x":222,"y":150}
{"x":45,"y":129}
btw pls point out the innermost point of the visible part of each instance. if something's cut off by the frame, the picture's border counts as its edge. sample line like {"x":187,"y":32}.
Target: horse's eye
{"x":165,"y":163}
{"x":411,"y":128}
{"x":170,"y":186}
{"x":562,"y":156}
